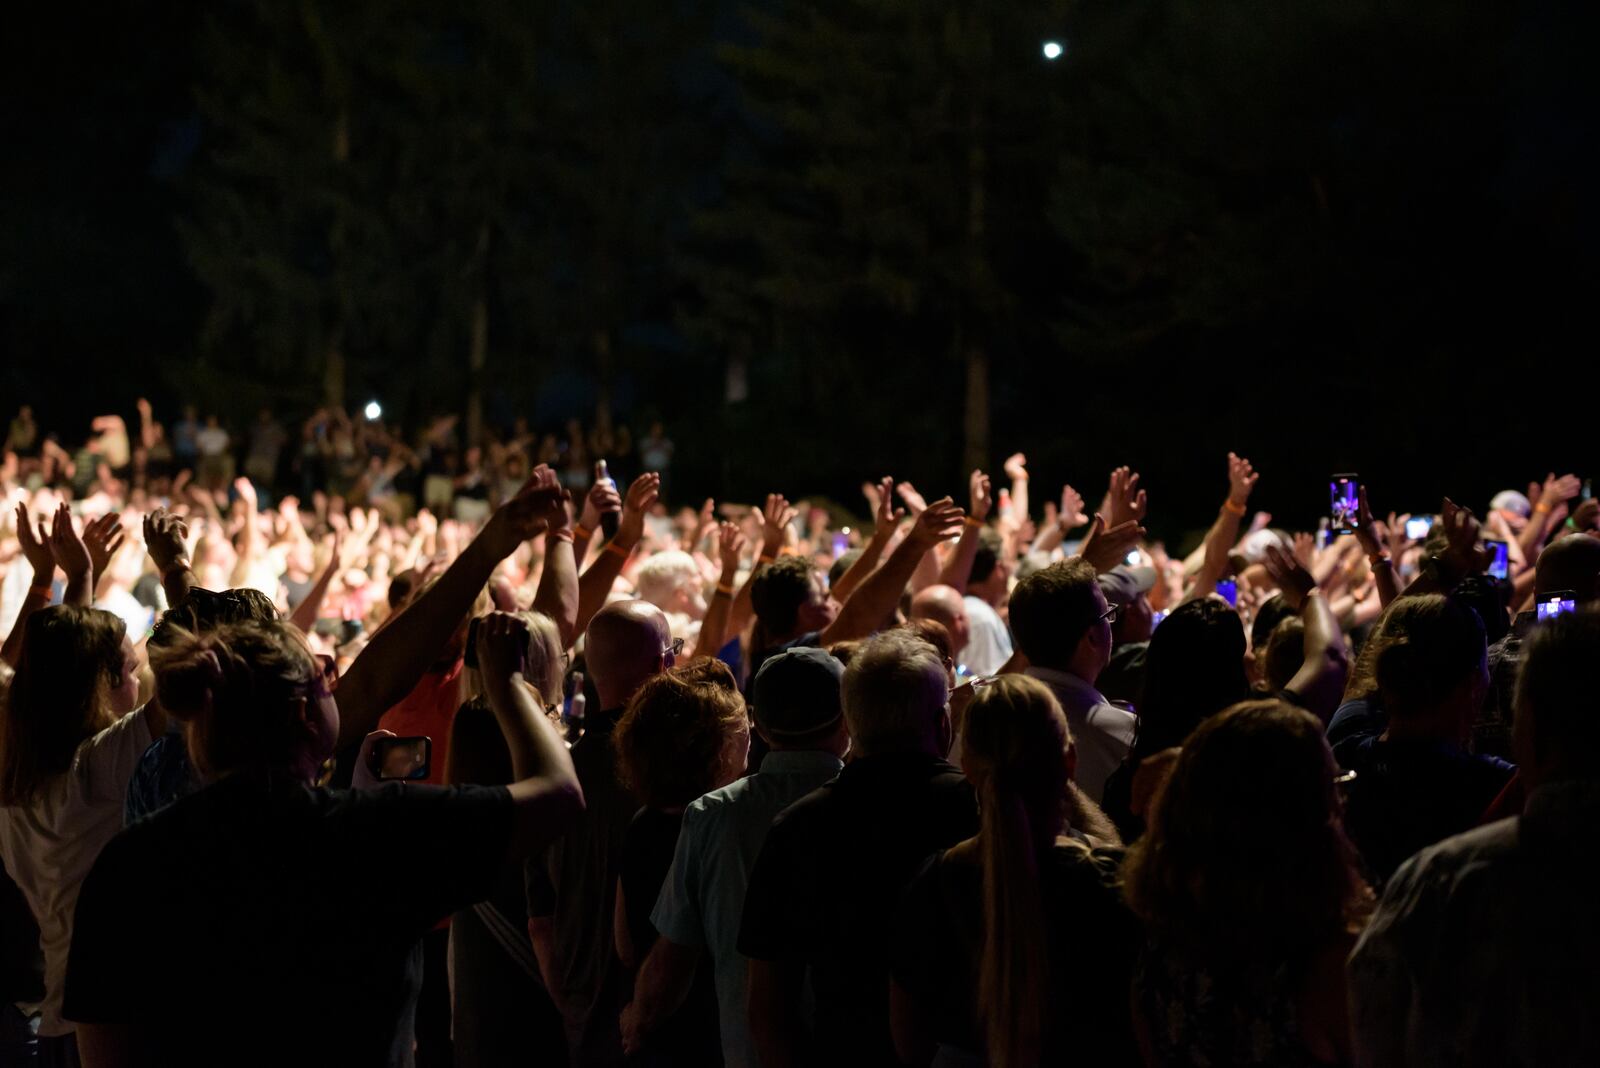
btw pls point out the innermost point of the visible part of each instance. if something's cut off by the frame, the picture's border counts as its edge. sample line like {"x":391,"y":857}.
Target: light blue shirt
{"x":702,"y":900}
{"x":1102,"y":732}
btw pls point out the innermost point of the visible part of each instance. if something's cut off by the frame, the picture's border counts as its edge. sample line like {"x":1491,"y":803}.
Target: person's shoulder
{"x":712,"y":807}
{"x":806,"y":812}
{"x":1444,"y":868}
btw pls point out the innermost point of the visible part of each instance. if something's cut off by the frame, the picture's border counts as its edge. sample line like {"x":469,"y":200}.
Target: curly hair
{"x":680,"y":733}
{"x":1245,"y":857}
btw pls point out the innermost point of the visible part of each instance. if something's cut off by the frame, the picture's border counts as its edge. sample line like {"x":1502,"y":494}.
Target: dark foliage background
{"x":1331,"y":235}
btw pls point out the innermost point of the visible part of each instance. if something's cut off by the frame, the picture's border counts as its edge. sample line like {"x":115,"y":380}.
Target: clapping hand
{"x":1071,"y":516}
{"x":642,"y":496}
{"x":68,"y":548}
{"x":35,"y":546}
{"x":980,"y":495}
{"x":1128,"y":502}
{"x":103,"y":537}
{"x":913,"y":499}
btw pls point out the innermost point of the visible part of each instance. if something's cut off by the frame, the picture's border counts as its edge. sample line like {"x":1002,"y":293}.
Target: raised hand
{"x":246,"y":491}
{"x":885,"y":515}
{"x":165,"y":539}
{"x":642,"y":496}
{"x":775,"y":519}
{"x":103,"y":537}
{"x":1106,"y":547}
{"x":35,"y":546}
{"x":1016,"y":467}
{"x":1071,"y":516}
{"x":71,"y":554}
{"x":980,"y":495}
{"x":1128,"y":501}
{"x":1461,"y":530}
{"x":936,"y":522}
{"x":706,"y":522}
{"x":1556,"y":491}
{"x":502,"y":646}
{"x":1290,"y":575}
{"x":603,"y":497}
{"x":1370,"y":533}
{"x":730,"y":546}
{"x":1586,"y":517}
{"x":1241,"y":480}
{"x":913,"y":499}
{"x":524,"y":516}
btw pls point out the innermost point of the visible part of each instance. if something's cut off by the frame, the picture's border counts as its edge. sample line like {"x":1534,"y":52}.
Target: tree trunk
{"x":478,"y":351}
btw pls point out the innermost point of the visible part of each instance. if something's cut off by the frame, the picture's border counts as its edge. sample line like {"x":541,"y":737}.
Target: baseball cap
{"x":796,"y":693}
{"x":1123,"y":585}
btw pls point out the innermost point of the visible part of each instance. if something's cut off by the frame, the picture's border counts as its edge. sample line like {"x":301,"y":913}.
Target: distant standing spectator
{"x":267,"y":439}
{"x":216,"y":466}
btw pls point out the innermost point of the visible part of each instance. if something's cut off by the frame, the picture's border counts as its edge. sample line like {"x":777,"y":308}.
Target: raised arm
{"x":1320,"y":681}
{"x":1104,"y":547}
{"x":309,"y":610}
{"x":398,"y":654}
{"x":102,"y":537}
{"x":1016,"y":468}
{"x":36,"y":549}
{"x":775,"y":519}
{"x":1374,"y":537}
{"x":714,"y":628}
{"x":595,"y":585}
{"x":557,"y":595}
{"x":1224,"y":531}
{"x":545,"y":793}
{"x":1068,"y":518}
{"x":1554,"y":493}
{"x":886,"y":520}
{"x":72,"y":555}
{"x":981,"y":499}
{"x":866,"y":609}
{"x":165,"y":539}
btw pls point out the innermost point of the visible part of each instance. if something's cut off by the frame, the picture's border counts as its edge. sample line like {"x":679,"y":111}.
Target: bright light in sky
{"x":372,"y":411}
{"x":1053,"y":50}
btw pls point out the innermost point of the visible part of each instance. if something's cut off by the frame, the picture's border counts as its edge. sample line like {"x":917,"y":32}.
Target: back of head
{"x":1285,"y":654}
{"x":935,"y":634}
{"x":1051,"y":610}
{"x":237,"y":688}
{"x":1556,"y":729}
{"x":1244,"y":857}
{"x":777,"y":593}
{"x":1430,"y":646}
{"x":1194,"y":669}
{"x":1266,"y":621}
{"x":59,"y":696}
{"x":1014,"y":749}
{"x":683,"y":733}
{"x":942,"y":604}
{"x":1570,"y":563}
{"x":203,"y":611}
{"x":895,"y":694}
{"x":661,"y":576}
{"x":546,"y":665}
{"x":623,"y":647}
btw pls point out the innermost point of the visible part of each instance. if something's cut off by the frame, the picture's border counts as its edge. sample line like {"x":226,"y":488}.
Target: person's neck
{"x":928,"y":747}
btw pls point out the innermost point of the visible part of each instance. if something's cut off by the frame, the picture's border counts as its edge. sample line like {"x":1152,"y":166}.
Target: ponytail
{"x":1013,"y":969}
{"x":1015,"y":741}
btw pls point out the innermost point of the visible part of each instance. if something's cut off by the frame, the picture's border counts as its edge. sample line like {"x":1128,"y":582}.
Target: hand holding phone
{"x":402,"y":759}
{"x":1499,"y":558}
{"x":1556,"y":603}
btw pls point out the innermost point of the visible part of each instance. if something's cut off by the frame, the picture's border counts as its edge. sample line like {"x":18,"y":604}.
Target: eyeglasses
{"x":673,"y":649}
{"x":1344,"y":778}
{"x":1109,"y":615}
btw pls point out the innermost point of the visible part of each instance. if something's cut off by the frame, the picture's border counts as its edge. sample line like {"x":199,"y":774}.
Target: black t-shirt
{"x":1410,"y":793}
{"x":825,"y":884}
{"x":1091,"y":938}
{"x":261,"y":921}
{"x":693,"y":1036}
{"x":575,"y":883}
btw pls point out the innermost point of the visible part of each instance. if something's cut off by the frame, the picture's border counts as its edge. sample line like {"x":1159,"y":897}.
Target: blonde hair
{"x":1015,"y":740}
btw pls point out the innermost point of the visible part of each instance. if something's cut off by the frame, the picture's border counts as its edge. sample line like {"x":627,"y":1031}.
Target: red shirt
{"x":428,"y":710}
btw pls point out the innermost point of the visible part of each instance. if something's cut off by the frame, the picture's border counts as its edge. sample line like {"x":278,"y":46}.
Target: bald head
{"x":943,"y":604}
{"x":1570,"y":563}
{"x":625,"y":645}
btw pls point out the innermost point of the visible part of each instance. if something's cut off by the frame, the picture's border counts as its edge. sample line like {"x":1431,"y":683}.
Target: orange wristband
{"x":619,"y":550}
{"x":581,"y":531}
{"x":725,"y":589}
{"x":564,"y":535}
{"x":1541,"y":508}
{"x":973,"y":522}
{"x":763,"y":559}
{"x":1233,"y":509}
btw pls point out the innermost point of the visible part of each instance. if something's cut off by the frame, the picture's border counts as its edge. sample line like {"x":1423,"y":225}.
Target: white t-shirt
{"x":50,"y":845}
{"x":988,"y":641}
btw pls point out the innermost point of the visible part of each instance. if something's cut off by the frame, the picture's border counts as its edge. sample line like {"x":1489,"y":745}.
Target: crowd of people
{"x":364,"y":751}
